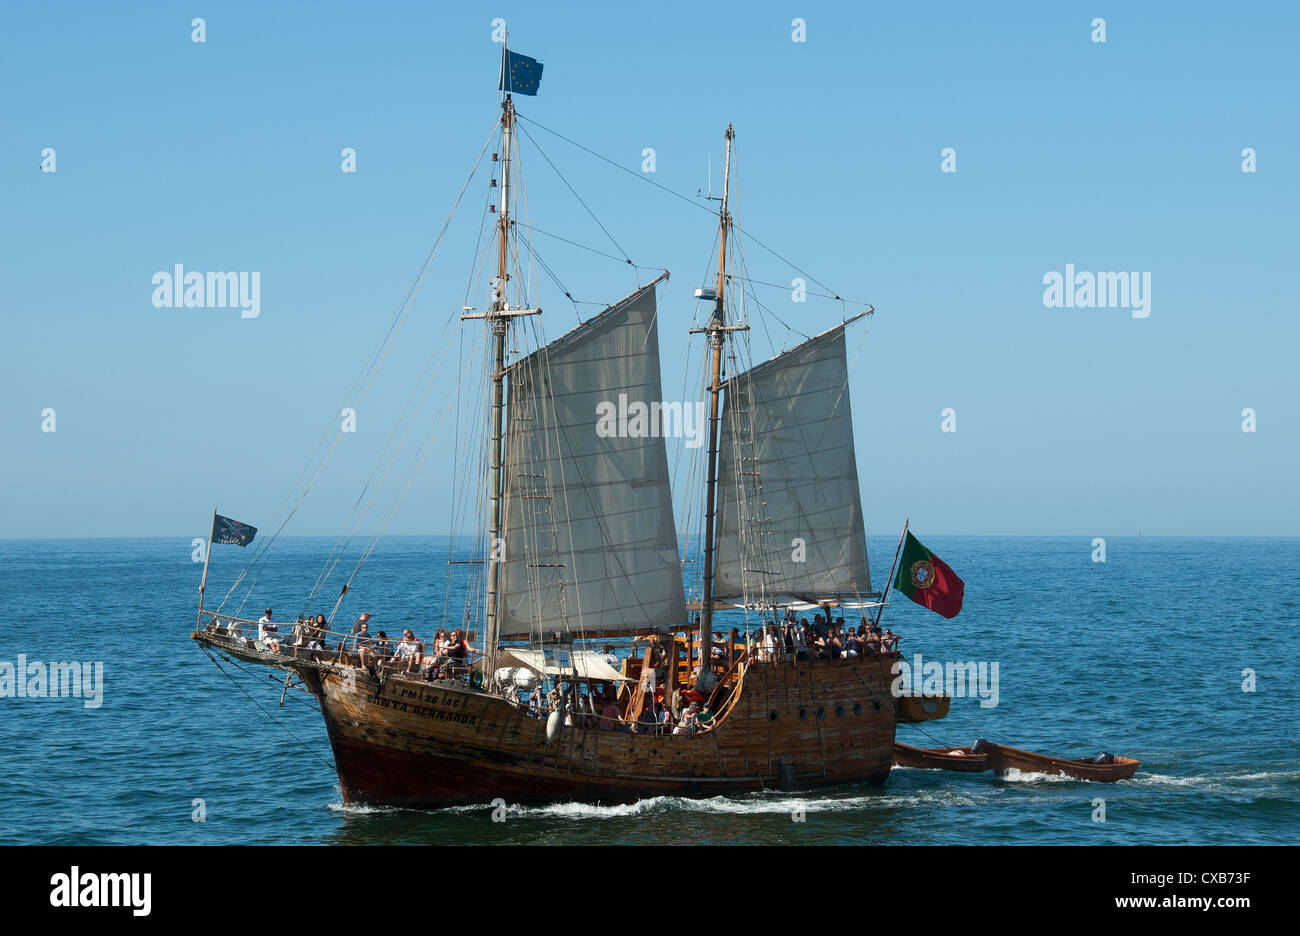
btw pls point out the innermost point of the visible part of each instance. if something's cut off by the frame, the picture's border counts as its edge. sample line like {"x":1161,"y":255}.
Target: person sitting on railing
{"x":433,"y":660}
{"x":362,"y":644}
{"x":383,"y":649}
{"x":870,"y":641}
{"x":456,"y":649}
{"x":687,"y":723}
{"x":266,"y":632}
{"x":315,"y":633}
{"x":834,"y":645}
{"x":436,"y":657}
{"x":706,"y":717}
{"x":406,"y":656}
{"x":889,"y":641}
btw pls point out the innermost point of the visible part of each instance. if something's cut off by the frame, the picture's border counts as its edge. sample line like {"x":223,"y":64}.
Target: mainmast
{"x":500,"y":321}
{"x":716,"y":330}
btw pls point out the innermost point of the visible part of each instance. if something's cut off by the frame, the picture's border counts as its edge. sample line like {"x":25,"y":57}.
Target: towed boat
{"x":963,"y":759}
{"x":1104,"y":768}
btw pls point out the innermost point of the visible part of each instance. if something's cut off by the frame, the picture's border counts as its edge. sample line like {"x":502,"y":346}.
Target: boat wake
{"x":1219,"y":781}
{"x":757,"y":805}
{"x":1013,"y":775}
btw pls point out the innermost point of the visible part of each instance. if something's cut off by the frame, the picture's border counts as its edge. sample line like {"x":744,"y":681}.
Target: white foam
{"x":1013,"y":775}
{"x":365,"y":809}
{"x":783,"y":804}
{"x":1216,"y":781}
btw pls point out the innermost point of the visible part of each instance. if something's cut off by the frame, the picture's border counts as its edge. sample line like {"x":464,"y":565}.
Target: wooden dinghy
{"x":962,"y":759}
{"x":1106,"y":768}
{"x":917,"y":707}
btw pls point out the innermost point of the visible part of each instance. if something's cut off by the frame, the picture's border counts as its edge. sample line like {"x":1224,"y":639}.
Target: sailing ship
{"x":581,"y":549}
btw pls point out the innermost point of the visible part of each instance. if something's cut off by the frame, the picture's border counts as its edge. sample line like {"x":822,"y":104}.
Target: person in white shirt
{"x":408,"y":651}
{"x":266,"y":632}
{"x":770,"y":654}
{"x":689,"y":717}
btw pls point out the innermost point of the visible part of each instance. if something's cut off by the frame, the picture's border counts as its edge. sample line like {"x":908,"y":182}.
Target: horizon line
{"x":57,"y":539}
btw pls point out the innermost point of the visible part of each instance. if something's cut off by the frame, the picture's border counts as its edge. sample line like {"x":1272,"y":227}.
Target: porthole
{"x":821,"y":713}
{"x":803,"y":714}
{"x":771,"y":716}
{"x":839,"y":711}
{"x":857,"y":708}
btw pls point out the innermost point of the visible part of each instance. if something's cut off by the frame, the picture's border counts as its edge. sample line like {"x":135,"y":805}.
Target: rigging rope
{"x":372,"y":367}
{"x":643,"y":177}
{"x":575,"y":194}
{"x":305,"y":745}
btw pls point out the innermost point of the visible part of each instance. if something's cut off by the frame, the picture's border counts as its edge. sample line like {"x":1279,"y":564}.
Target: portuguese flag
{"x":927,"y":580}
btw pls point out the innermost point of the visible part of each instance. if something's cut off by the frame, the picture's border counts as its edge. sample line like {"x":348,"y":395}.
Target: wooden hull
{"x":1006,"y":758}
{"x":423,"y":745}
{"x":940,"y":758}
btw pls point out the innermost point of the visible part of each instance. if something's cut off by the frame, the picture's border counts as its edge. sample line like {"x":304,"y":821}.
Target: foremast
{"x":716,"y":331}
{"x":498,"y":319}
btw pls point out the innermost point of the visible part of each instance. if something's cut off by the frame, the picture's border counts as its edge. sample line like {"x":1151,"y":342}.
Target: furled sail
{"x":590,"y":541}
{"x":789,"y":509}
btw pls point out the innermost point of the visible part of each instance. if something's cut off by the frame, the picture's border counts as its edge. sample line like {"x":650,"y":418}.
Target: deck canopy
{"x":583,"y":664}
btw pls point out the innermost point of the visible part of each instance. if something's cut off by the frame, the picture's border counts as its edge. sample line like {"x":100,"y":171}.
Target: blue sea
{"x":1179,"y":652}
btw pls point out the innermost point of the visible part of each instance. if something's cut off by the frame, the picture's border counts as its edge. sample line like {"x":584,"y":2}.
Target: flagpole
{"x":207,"y":554}
{"x":884,"y":599}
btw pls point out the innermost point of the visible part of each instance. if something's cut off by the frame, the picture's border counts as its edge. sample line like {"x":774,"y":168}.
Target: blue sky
{"x":225,"y":155}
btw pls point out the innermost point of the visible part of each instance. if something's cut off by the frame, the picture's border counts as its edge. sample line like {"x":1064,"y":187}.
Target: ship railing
{"x":295,"y":639}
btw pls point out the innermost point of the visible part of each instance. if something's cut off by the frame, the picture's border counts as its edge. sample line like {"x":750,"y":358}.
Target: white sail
{"x":789,"y":509}
{"x":590,"y":542}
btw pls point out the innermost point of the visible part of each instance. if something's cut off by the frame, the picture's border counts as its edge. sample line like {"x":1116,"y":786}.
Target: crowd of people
{"x":448,"y":653}
{"x":823,"y":639}
{"x":596,"y":705}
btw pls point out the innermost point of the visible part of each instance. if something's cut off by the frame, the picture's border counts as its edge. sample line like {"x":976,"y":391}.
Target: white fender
{"x":553,"y":723}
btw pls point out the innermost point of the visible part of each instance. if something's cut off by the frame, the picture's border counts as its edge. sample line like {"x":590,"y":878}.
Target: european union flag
{"x":231,"y":532}
{"x":520,"y":74}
